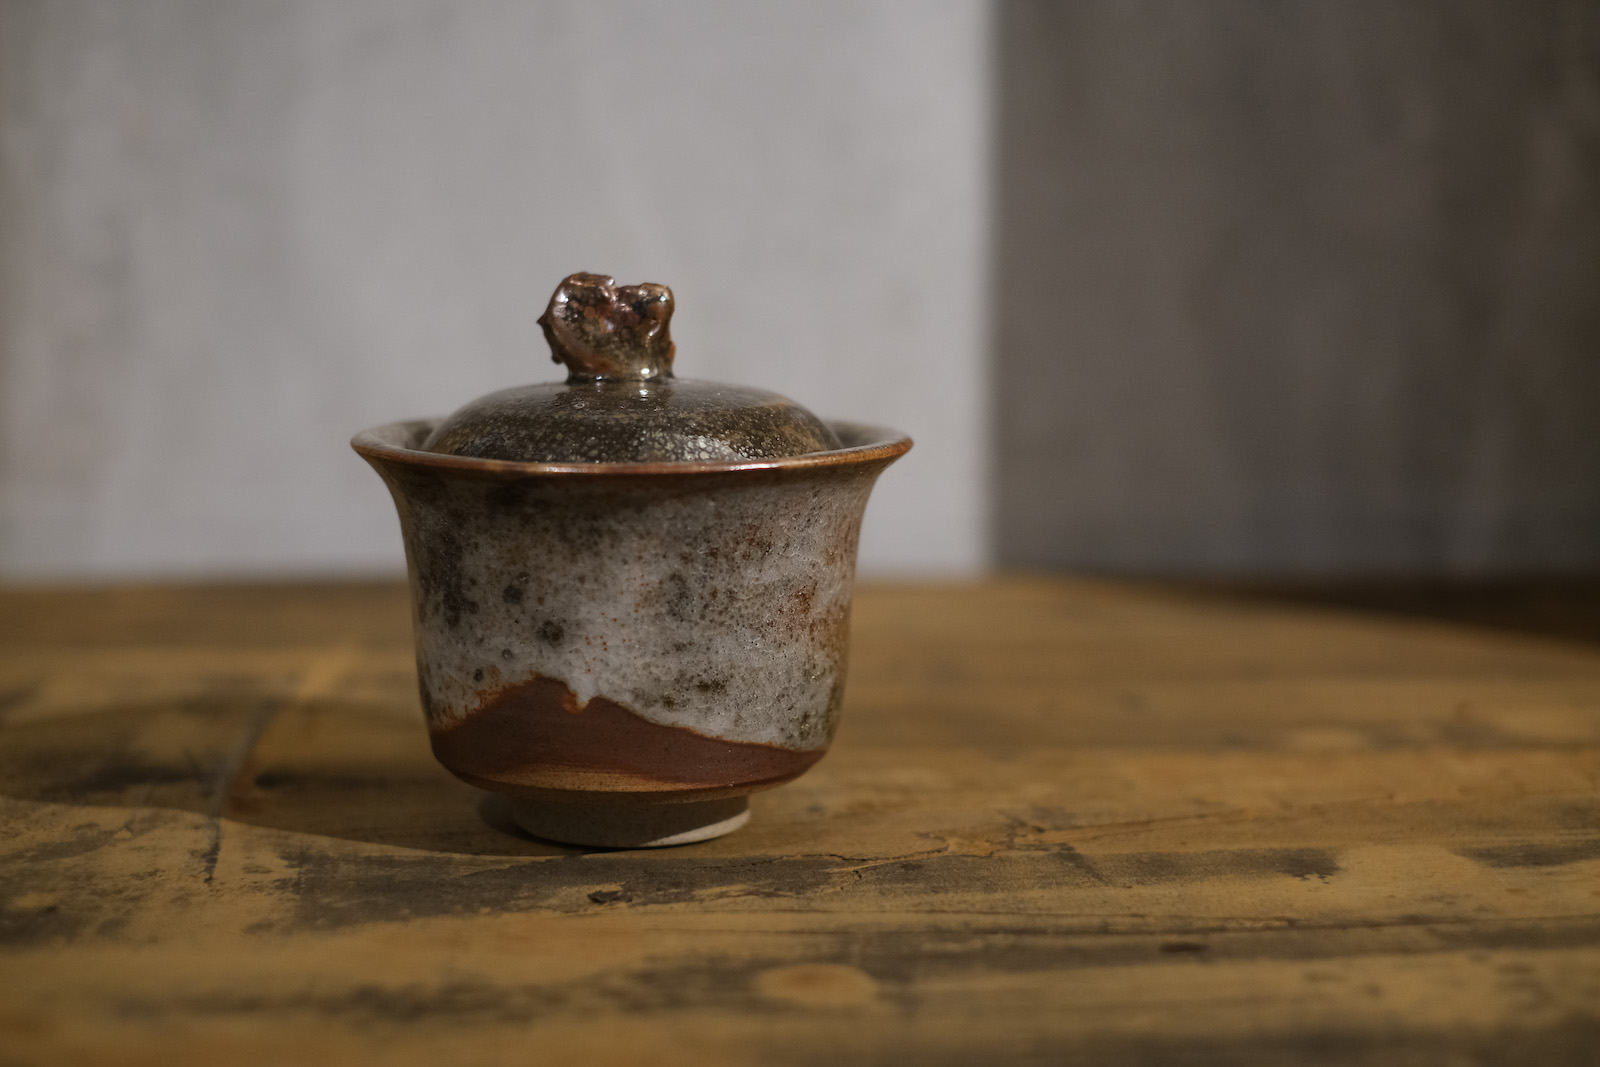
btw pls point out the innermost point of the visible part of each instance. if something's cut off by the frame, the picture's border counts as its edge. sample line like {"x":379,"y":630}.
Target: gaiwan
{"x":630,"y":591}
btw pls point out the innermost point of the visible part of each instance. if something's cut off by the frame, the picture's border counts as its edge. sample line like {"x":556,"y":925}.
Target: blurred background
{"x":1224,"y":289}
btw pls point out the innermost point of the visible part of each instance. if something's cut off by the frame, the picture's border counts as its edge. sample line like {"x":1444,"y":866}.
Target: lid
{"x":620,"y":402}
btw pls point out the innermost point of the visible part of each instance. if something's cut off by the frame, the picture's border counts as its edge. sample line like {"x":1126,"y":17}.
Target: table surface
{"x":1063,"y":821}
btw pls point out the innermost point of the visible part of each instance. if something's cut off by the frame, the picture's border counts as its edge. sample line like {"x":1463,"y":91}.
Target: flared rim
{"x":395,"y":442}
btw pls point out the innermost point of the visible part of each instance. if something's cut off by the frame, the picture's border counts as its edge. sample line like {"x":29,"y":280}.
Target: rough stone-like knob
{"x":603,"y":332}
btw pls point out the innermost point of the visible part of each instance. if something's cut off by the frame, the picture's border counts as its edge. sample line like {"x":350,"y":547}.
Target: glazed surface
{"x":653,"y":632}
{"x":600,"y":746}
{"x":663,"y":420}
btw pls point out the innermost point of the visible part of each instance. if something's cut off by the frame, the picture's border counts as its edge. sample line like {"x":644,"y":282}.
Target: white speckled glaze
{"x":709,"y":598}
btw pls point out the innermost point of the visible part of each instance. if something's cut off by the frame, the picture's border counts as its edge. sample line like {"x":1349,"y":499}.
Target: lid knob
{"x":604,"y":332}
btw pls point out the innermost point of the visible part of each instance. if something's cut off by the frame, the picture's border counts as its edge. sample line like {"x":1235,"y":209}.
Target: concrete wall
{"x":233,"y":233}
{"x":1299,"y":286}
{"x":1278,"y":286}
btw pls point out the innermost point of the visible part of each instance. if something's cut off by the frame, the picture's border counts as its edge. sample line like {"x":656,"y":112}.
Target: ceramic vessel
{"x":629,"y":647}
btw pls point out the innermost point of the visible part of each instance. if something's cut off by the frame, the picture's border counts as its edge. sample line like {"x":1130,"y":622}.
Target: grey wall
{"x":1299,"y":286}
{"x":233,"y":232}
{"x":1278,"y":286}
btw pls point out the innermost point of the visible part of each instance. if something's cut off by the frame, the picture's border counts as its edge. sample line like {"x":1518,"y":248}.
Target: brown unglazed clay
{"x":629,"y":649}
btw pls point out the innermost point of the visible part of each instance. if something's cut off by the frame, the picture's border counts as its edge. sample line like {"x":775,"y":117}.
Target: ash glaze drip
{"x":620,"y":402}
{"x":537,"y":736}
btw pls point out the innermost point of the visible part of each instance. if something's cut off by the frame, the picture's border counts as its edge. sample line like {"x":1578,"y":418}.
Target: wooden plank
{"x":1064,"y":820}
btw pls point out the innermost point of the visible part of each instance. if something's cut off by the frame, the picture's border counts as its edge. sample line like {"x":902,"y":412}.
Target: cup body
{"x":595,"y":639}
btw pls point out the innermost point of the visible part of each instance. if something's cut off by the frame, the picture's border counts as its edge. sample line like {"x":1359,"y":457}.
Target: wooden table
{"x":1065,"y":821}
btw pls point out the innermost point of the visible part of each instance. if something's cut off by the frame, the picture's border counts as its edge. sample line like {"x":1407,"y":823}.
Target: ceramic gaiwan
{"x":631,"y":592}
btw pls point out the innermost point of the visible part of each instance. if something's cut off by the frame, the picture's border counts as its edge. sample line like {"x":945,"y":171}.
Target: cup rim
{"x":394,"y":442}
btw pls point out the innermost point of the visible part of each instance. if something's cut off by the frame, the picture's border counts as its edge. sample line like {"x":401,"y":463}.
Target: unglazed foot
{"x":632,"y":825}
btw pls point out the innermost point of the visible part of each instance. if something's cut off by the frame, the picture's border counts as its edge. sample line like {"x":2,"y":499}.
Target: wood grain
{"x":1065,"y":821}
